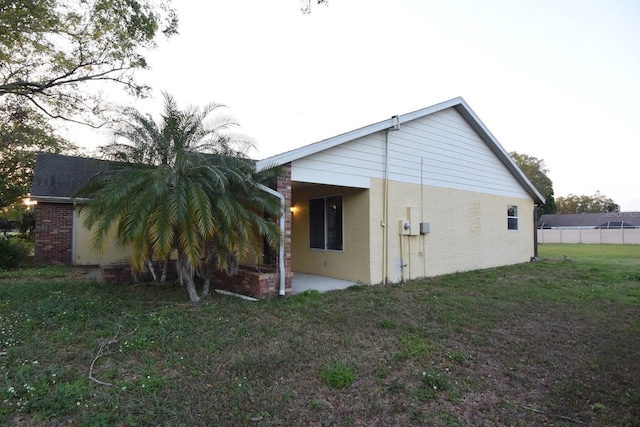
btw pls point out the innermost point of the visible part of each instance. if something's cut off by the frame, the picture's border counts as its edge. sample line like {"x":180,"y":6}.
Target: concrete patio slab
{"x":304,"y":282}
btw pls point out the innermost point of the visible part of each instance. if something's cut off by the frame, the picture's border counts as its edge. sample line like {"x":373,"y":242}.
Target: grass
{"x":554,"y":342}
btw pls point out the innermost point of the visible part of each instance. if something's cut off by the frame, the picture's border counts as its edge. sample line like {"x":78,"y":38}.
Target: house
{"x":421,"y":194}
{"x":604,"y":220}
{"x":600,"y":228}
{"x":60,"y":237}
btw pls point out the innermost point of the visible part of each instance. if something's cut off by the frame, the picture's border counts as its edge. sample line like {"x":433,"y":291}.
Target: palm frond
{"x":187,"y":184}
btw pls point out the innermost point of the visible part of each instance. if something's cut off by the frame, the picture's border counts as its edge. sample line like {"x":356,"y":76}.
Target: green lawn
{"x":548,"y":343}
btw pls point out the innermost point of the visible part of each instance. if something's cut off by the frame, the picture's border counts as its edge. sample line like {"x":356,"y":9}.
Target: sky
{"x":554,"y":79}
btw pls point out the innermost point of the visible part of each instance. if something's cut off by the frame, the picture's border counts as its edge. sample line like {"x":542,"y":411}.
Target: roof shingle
{"x":59,"y":176}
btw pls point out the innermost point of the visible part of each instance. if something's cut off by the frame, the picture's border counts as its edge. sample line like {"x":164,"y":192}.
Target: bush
{"x":12,"y":252}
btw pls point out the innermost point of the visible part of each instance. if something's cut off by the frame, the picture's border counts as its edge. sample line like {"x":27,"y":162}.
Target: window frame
{"x":512,"y":217}
{"x":315,"y":236}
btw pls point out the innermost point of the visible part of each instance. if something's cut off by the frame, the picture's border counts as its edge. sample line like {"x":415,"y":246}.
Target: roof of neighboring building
{"x":458,"y":104}
{"x":608,"y":219}
{"x":59,"y":177}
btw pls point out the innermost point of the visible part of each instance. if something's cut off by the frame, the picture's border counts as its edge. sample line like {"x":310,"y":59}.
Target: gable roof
{"x":57,"y":177}
{"x":458,"y":104}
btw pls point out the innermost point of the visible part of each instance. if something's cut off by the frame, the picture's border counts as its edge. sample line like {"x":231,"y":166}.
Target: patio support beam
{"x":281,"y":265}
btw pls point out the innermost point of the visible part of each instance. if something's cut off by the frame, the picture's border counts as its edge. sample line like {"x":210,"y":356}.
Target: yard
{"x":548,"y":343}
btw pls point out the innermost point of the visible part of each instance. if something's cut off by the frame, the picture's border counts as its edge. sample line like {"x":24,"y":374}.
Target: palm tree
{"x":184,"y":185}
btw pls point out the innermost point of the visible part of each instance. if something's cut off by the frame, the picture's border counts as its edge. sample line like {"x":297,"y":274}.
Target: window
{"x":512,"y":217}
{"x":325,"y":223}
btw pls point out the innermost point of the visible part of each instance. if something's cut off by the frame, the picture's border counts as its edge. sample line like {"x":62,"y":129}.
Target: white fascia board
{"x":474,"y":121}
{"x":430,"y":110}
{"x":307,"y":150}
{"x":316,"y":147}
{"x":458,"y":103}
{"x":53,"y":199}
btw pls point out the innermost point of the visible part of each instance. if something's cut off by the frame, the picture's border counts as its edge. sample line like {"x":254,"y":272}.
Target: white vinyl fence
{"x":619,"y":236}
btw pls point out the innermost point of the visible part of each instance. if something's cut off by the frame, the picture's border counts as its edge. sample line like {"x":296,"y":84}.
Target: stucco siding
{"x":352,"y":263}
{"x":83,"y":252}
{"x":468,"y":230}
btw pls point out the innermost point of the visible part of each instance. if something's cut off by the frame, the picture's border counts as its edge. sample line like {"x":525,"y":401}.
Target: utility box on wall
{"x":425,"y":227}
{"x":405,"y":227}
{"x":413,"y":225}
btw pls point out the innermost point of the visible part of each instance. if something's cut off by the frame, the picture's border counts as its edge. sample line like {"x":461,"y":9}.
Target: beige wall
{"x":352,"y":263}
{"x":84,"y":255}
{"x":468,"y":230}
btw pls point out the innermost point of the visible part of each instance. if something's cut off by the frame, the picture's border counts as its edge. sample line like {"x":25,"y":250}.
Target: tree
{"x":18,"y":216}
{"x":598,"y":203}
{"x":186,"y":186}
{"x":305,"y":5}
{"x":49,"y":48}
{"x":537,"y":172}
{"x":49,"y":51}
{"x":23,"y":133}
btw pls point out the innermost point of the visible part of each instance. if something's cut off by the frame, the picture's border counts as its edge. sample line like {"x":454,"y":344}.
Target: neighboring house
{"x":605,"y":220}
{"x":601,"y":228}
{"x":422,"y":194}
{"x":60,"y":237}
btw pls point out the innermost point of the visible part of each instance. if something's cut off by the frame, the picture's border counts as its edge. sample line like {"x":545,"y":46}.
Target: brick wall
{"x":283,"y":187}
{"x":54,"y":233}
{"x":246,"y":282}
{"x":117,"y":272}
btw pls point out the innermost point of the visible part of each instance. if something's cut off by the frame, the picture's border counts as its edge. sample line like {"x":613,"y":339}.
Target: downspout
{"x":424,"y":236}
{"x":535,"y":232}
{"x":73,"y":233}
{"x":385,"y":208}
{"x":402,"y":264}
{"x":281,"y":249}
{"x":385,"y":223}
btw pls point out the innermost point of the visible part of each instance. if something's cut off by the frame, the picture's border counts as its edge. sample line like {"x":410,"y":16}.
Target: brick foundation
{"x":263,"y":284}
{"x":259,"y":284}
{"x":118,"y":272}
{"x":54,"y":233}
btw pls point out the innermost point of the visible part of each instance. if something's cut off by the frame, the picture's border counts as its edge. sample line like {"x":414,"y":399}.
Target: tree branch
{"x":101,"y":353}
{"x":60,"y":116}
{"x":562,"y":417}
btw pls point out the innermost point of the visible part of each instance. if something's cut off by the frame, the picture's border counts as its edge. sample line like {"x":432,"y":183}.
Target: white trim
{"x":461,"y":107}
{"x":57,"y":199}
{"x":329,"y":178}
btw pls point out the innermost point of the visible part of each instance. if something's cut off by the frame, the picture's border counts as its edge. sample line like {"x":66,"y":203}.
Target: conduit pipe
{"x":424,"y":236}
{"x":233,"y":294}
{"x":281,"y":249}
{"x":74,"y":219}
{"x":385,"y":208}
